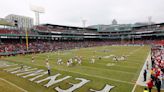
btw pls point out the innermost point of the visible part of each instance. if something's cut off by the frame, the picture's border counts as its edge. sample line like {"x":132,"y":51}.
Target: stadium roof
{"x":5,"y":22}
{"x":148,"y":25}
{"x":113,"y":28}
{"x":18,"y":16}
{"x":72,"y":27}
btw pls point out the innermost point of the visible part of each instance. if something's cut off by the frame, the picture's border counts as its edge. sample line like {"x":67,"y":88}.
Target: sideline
{"x":140,"y":75}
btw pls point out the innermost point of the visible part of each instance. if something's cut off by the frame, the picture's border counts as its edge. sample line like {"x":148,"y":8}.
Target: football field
{"x":119,"y":76}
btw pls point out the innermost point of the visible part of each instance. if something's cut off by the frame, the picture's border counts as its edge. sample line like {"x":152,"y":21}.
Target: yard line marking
{"x":98,"y":76}
{"x":135,"y":50}
{"x":109,"y":70}
{"x":94,"y":76}
{"x":144,"y":65}
{"x":13,"y":85}
{"x":126,"y":67}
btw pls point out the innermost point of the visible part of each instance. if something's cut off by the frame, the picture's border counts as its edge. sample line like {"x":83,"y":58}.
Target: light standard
{"x":37,"y":10}
{"x":84,"y":23}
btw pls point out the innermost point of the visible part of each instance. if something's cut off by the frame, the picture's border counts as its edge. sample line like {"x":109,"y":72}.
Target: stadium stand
{"x":8,"y":31}
{"x":50,"y":37}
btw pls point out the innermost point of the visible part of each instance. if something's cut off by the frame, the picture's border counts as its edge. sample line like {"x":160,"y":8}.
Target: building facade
{"x":20,"y":21}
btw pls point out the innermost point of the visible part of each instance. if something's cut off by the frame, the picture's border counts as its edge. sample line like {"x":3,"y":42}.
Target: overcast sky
{"x":72,"y":12}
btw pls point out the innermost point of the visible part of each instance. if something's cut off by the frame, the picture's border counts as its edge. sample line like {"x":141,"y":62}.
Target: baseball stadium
{"x":47,"y":57}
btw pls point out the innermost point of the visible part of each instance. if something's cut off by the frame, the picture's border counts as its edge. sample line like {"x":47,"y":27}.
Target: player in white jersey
{"x":59,"y":61}
{"x":48,"y":67}
{"x":92,"y":60}
{"x":79,"y":61}
{"x":32,"y":59}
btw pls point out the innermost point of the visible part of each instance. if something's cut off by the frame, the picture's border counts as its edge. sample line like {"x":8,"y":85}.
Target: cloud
{"x":72,"y":12}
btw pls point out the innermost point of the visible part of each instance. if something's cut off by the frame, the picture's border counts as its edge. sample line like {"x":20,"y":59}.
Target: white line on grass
{"x":144,"y":65}
{"x":109,"y":70}
{"x":100,"y":77}
{"x":132,"y":67}
{"x":132,"y":52}
{"x":13,"y":85}
{"x":121,"y":65}
{"x":94,"y":76}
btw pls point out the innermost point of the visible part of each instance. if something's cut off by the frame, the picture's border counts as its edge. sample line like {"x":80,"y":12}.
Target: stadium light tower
{"x":37,"y":10}
{"x":149,"y":20}
{"x":84,"y":23}
{"x":149,"y":25}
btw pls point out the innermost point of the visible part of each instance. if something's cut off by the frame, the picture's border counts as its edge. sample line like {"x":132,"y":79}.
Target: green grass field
{"x":122,"y":75}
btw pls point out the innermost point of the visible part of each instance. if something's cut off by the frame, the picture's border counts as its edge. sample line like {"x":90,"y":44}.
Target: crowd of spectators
{"x":46,"y":46}
{"x":15,"y":31}
{"x":8,"y":31}
{"x":8,"y":47}
{"x":157,"y":68}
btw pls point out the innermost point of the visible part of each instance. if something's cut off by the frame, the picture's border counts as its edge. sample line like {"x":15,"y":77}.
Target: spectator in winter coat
{"x":158,"y":84}
{"x":150,"y":85}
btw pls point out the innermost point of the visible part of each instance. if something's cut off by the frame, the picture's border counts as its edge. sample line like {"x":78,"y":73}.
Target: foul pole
{"x":26,"y":39}
{"x":37,"y":11}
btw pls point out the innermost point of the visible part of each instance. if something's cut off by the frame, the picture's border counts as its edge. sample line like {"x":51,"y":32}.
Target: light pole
{"x":84,"y":23}
{"x":37,"y":10}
